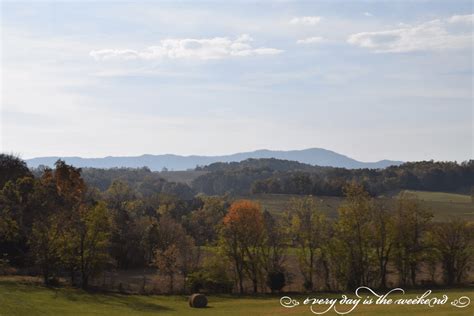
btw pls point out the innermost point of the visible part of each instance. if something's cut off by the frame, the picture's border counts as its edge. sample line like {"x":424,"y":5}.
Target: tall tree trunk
{"x":241,"y":282}
{"x":413,"y":273}
{"x":311,"y":262}
{"x":255,"y":284}
{"x":383,"y":276}
{"x":45,"y":276}
{"x":72,"y":276}
{"x":171,"y":283}
{"x":85,"y":281}
{"x":184,"y":282}
{"x":326,"y":274}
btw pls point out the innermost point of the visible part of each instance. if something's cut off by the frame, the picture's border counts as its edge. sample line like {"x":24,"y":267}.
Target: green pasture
{"x":32,"y":299}
{"x":443,"y":205}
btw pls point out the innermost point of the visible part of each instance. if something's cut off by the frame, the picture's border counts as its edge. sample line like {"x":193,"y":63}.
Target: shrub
{"x":211,"y":278}
{"x":308,"y":285}
{"x":276,"y":280}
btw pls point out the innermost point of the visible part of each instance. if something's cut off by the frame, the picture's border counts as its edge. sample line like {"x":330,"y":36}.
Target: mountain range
{"x":312,"y":156}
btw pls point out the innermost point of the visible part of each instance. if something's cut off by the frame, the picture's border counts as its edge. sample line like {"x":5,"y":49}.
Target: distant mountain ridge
{"x":312,"y":156}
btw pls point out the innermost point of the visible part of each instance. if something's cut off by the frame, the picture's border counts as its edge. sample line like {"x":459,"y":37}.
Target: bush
{"x":211,"y":278}
{"x":53,"y":282}
{"x":276,"y":280}
{"x":5,"y":267}
{"x":207,"y":282}
{"x":308,"y":285}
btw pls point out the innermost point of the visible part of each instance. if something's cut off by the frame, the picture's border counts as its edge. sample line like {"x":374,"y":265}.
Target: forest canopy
{"x":276,"y":176}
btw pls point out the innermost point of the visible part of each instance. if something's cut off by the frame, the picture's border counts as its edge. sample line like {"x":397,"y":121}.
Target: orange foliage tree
{"x":243,"y":236}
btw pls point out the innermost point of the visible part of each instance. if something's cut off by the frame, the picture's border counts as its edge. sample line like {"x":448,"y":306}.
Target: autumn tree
{"x":70,"y":197}
{"x":166,"y":260}
{"x":150,"y":239}
{"x":242,"y":239}
{"x":47,"y":223}
{"x":175,"y":251}
{"x":70,"y":186}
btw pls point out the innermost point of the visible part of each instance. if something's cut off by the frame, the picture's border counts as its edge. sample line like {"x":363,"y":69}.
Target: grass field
{"x":29,"y":299}
{"x":443,"y":205}
{"x":441,"y":197}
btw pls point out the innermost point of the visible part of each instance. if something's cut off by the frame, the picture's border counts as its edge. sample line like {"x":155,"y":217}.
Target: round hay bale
{"x":198,"y":300}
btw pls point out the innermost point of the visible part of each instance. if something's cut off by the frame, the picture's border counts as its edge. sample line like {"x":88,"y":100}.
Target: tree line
{"x":55,"y":225}
{"x":275,"y":176}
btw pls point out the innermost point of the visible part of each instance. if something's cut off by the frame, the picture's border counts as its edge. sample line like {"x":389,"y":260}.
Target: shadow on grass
{"x":132,"y":302}
{"x":138,"y":305}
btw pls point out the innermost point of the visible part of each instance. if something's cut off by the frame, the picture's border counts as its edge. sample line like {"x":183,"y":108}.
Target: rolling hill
{"x":312,"y":156}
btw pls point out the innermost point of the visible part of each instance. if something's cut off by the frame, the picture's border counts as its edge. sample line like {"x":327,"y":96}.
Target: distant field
{"x":443,"y":205}
{"x":277,"y":203}
{"x":442,"y":197}
{"x":181,"y":176}
{"x":28,"y":299}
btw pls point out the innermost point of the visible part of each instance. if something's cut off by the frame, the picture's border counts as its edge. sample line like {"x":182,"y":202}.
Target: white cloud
{"x":432,"y":35}
{"x":306,"y":20}
{"x":311,"y":40}
{"x":368,"y":14}
{"x":204,"y":49}
{"x":469,"y":19}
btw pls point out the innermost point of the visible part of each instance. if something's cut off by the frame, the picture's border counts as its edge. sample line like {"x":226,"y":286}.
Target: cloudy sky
{"x":369,"y":79}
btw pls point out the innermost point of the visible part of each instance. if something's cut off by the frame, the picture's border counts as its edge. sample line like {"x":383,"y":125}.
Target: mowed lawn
{"x":30,"y":299}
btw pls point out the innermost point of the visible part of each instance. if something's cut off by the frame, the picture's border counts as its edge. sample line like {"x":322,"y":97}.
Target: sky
{"x":369,"y":79}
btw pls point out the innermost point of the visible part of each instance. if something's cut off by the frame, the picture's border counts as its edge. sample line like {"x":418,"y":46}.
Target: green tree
{"x":354,"y":231}
{"x":203,"y":223}
{"x":383,"y":239}
{"x":308,"y":230}
{"x":124,"y":240}
{"x":453,"y":241}
{"x":273,"y":252}
{"x":93,"y":236}
{"x":45,"y":243}
{"x":411,"y":225}
{"x":12,"y":168}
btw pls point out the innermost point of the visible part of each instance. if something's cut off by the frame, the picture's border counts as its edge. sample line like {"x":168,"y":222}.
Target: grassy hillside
{"x":442,"y":197}
{"x":277,"y":203}
{"x":443,"y":205}
{"x":29,"y":299}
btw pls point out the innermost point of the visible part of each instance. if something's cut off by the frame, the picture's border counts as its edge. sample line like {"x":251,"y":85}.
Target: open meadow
{"x":443,"y":205}
{"x":20,"y":298}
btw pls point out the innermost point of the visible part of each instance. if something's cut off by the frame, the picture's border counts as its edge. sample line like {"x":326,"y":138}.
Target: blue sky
{"x":369,"y":79}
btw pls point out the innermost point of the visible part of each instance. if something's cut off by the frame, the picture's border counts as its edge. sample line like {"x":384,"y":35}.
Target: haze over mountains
{"x":312,"y":156}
